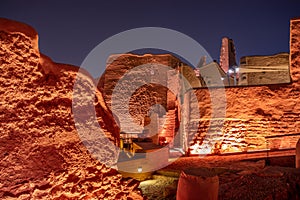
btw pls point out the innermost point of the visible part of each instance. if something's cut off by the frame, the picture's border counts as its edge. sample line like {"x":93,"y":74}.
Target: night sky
{"x":69,"y":30}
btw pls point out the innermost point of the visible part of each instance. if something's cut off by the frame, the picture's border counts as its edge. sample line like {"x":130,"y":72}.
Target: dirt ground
{"x":240,"y":176}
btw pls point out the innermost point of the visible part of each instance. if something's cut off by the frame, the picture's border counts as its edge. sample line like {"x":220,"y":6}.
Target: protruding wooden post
{"x":298,"y":154}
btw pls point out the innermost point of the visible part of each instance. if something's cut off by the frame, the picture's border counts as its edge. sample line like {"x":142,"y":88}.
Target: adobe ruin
{"x":251,"y":123}
{"x":43,"y":156}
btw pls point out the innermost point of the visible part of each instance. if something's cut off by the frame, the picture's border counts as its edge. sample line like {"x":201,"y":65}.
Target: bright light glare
{"x":140,"y":169}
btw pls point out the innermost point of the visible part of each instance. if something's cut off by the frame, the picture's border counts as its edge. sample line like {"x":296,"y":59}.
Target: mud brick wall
{"x":41,"y":153}
{"x":145,"y":96}
{"x":253,"y":113}
{"x":276,"y":69}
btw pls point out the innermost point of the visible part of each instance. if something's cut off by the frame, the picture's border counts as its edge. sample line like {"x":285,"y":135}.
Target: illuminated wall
{"x":254,"y":113}
{"x":42,"y":156}
{"x":262,"y":70}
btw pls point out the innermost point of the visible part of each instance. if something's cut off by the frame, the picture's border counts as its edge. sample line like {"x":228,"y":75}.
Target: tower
{"x":227,"y":54}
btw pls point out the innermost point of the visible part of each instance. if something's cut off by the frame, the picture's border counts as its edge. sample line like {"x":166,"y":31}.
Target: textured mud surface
{"x":42,"y":156}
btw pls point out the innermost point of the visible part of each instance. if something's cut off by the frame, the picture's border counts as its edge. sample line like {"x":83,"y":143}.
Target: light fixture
{"x":230,"y":71}
{"x":139,"y":169}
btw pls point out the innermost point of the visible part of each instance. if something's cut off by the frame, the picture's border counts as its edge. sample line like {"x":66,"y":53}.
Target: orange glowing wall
{"x":254,"y":113}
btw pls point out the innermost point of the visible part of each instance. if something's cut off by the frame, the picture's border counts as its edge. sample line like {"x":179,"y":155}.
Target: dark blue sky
{"x":68,"y":30}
